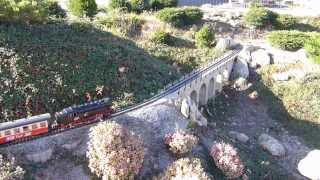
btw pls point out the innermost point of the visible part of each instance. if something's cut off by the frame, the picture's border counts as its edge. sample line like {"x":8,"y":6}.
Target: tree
{"x":9,"y":171}
{"x":83,"y":8}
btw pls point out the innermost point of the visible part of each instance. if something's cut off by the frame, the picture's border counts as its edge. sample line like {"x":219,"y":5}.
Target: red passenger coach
{"x":23,"y":128}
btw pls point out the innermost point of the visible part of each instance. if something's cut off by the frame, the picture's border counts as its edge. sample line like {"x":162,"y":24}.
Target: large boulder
{"x":225,"y":44}
{"x":310,"y":165}
{"x":260,"y":58}
{"x":240,"y":69}
{"x":186,"y":107}
{"x":272,"y":145}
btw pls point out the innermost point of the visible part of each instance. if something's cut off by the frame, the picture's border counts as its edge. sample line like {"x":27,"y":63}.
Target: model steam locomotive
{"x":67,"y":118}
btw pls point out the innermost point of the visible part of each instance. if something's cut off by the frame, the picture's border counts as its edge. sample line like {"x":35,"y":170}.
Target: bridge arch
{"x":211,"y":91}
{"x":203,"y":94}
{"x":193,"y":96}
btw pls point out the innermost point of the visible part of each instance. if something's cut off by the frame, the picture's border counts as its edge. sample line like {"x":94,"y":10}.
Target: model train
{"x":67,"y":118}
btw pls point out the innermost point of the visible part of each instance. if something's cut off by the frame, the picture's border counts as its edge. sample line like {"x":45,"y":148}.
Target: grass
{"x":295,"y":103}
{"x":48,"y":67}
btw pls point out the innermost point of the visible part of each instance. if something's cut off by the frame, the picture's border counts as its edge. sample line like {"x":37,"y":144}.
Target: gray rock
{"x":272,"y":145}
{"x":310,"y":165}
{"x":260,"y":58}
{"x":40,"y":157}
{"x":225,"y":44}
{"x":240,"y":68}
{"x":241,"y":137}
{"x":185,"y":107}
{"x":240,"y":83}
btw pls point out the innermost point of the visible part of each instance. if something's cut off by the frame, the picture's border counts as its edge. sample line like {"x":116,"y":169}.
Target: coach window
{"x":16,"y":130}
{"x":25,"y":128}
{"x":7,"y":133}
{"x":34,"y":126}
{"x":43,"y":124}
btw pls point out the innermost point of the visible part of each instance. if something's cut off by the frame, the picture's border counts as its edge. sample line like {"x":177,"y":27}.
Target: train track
{"x":171,"y":88}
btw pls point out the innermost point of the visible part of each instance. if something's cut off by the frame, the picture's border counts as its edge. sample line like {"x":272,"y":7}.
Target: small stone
{"x":281,"y":77}
{"x":254,"y":95}
{"x":272,"y":145}
{"x":310,"y":165}
{"x":122,"y":69}
{"x":240,"y":83}
{"x":241,"y":137}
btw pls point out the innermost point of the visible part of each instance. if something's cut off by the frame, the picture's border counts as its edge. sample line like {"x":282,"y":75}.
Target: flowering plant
{"x":180,"y":142}
{"x":227,"y":160}
{"x":114,"y":152}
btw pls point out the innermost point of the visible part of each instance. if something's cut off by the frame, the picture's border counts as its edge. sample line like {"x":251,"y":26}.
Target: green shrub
{"x":30,"y":11}
{"x":138,"y":6}
{"x":288,"y":40}
{"x":161,"y":37}
{"x":205,"y":37}
{"x":56,"y":10}
{"x":180,"y":17}
{"x":160,"y":4}
{"x":286,"y":22}
{"x":126,"y":24}
{"x":259,"y":17}
{"x":119,"y":4}
{"x":83,"y":8}
{"x":313,"y":49}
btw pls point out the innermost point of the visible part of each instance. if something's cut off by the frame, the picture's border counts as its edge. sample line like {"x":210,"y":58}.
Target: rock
{"x":40,"y":157}
{"x":272,"y":145}
{"x":297,"y":74}
{"x":260,"y":58}
{"x":72,"y":145}
{"x":225,"y":44}
{"x":240,"y":83}
{"x":241,"y":137}
{"x":281,"y":76}
{"x":254,"y":95}
{"x":185,"y":107}
{"x":310,"y":165}
{"x":240,"y":69}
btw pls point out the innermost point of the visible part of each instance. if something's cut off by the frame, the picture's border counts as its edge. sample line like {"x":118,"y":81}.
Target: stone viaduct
{"x":210,"y":82}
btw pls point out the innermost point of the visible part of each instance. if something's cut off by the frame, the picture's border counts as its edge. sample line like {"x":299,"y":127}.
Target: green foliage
{"x":288,"y":40}
{"x":259,"y":17}
{"x":161,"y":37}
{"x":56,"y":10}
{"x":30,"y":11}
{"x":126,"y":24}
{"x":83,"y":8}
{"x":313,"y":49}
{"x":205,"y":37}
{"x":286,"y":22}
{"x":119,"y":4}
{"x":58,"y":65}
{"x":160,"y":4}
{"x":180,"y":16}
{"x":138,"y":6}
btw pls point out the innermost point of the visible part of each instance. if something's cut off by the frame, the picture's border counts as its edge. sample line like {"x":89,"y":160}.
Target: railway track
{"x":171,"y":88}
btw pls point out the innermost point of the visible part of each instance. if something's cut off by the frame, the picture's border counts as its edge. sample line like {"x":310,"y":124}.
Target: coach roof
{"x":24,"y":121}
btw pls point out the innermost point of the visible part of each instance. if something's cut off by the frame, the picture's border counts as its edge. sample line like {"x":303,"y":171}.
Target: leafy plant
{"x":114,"y":151}
{"x":180,"y":17}
{"x":119,"y":4}
{"x":185,"y":168}
{"x":161,"y":37}
{"x":83,"y":8}
{"x":56,"y":10}
{"x":288,"y":40}
{"x":160,"y":4}
{"x":313,"y":49}
{"x":205,"y":37}
{"x":286,"y":22}
{"x":138,"y":6}
{"x":30,"y":11}
{"x":180,"y":142}
{"x":259,"y":17}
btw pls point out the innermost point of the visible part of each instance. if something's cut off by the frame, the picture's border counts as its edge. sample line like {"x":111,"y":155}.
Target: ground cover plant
{"x":205,"y":37}
{"x":289,"y":40}
{"x":180,"y":17}
{"x":295,"y":103}
{"x":260,"y":17}
{"x":313,"y":49}
{"x":48,"y":67}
